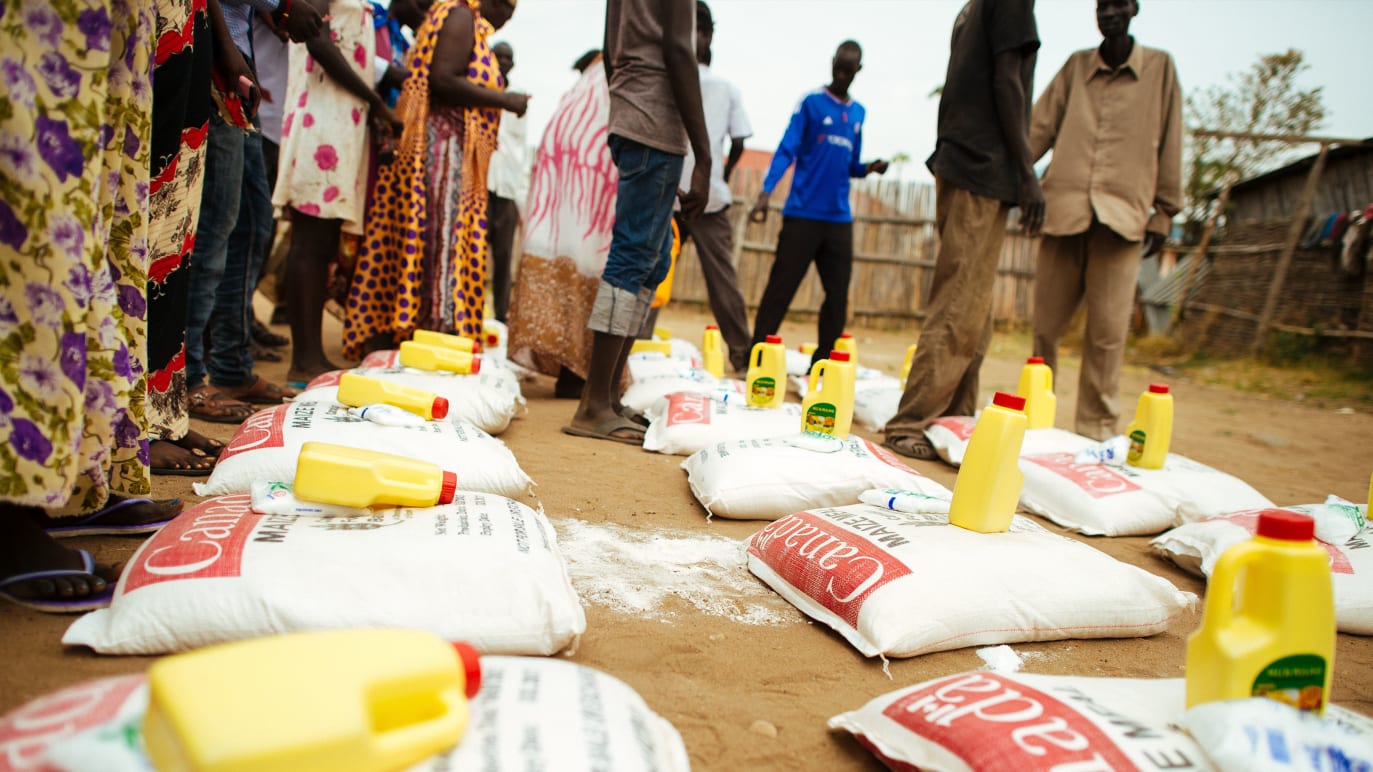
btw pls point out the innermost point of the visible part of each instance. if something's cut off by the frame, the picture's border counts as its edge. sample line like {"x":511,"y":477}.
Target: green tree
{"x":1265,"y":99}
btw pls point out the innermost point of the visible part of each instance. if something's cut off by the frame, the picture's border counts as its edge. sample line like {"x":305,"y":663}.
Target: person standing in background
{"x":825,"y":140}
{"x":508,"y":184}
{"x":982,"y":167}
{"x":712,"y":231}
{"x":655,"y":118}
{"x":1113,"y":117}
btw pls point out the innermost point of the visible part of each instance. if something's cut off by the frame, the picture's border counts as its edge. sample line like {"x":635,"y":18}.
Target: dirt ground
{"x":712,"y":677}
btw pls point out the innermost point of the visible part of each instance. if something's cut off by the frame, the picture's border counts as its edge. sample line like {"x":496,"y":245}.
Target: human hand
{"x":381,"y":112}
{"x":516,"y":103}
{"x":694,"y":201}
{"x":304,"y":20}
{"x":1153,"y":243}
{"x":759,"y":213}
{"x":394,"y":77}
{"x":878,"y":167}
{"x":1031,"y":205}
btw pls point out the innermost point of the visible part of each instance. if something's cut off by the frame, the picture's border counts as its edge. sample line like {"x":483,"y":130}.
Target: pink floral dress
{"x":324,"y":144}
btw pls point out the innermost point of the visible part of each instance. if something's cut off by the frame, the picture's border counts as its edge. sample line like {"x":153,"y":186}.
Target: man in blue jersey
{"x":825,"y":140}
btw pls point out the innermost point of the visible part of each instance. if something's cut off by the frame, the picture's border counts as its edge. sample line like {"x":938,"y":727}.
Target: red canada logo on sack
{"x":326,"y":380}
{"x":1249,"y":521}
{"x":1096,"y":480}
{"x":836,"y":567}
{"x":383,"y":359}
{"x":991,"y":722}
{"x":27,"y":733}
{"x":263,"y":429}
{"x":688,"y":408}
{"x":961,"y":426}
{"x":206,"y":542}
{"x":887,"y":457}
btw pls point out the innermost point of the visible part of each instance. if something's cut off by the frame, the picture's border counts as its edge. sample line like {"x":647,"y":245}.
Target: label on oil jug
{"x":1298,"y":681}
{"x":1136,"y":446}
{"x":763,"y":388}
{"x":820,"y":418}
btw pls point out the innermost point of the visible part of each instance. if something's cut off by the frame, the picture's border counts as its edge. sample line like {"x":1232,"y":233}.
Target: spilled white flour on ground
{"x":637,"y":570}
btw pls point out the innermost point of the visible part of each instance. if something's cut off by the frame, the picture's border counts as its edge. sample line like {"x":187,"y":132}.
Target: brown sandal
{"x":260,"y":392}
{"x":207,"y":404}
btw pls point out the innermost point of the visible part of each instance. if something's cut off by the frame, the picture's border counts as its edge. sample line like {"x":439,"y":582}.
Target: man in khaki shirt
{"x":1113,"y":117}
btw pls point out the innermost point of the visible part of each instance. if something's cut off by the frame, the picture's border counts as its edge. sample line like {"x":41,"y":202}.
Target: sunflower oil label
{"x":762,"y":389}
{"x":820,"y":418}
{"x":1298,"y":680}
{"x":1137,"y":438}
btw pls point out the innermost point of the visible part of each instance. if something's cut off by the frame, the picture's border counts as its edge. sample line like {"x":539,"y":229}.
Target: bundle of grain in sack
{"x":1104,"y":500}
{"x":483,"y":569}
{"x":901,"y":584}
{"x":489,"y":400}
{"x":1195,"y":547}
{"x":949,"y":436}
{"x":764,"y":479}
{"x":644,"y":394}
{"x":994,"y":721}
{"x":267,"y":444}
{"x":30,"y":732}
{"x":686,"y":422}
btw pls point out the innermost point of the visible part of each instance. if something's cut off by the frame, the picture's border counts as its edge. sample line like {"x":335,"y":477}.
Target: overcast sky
{"x":777,"y":50}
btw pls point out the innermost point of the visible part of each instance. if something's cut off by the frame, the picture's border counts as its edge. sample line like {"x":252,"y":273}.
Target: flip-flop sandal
{"x":604,"y":429}
{"x":263,"y":392}
{"x":95,"y":525}
{"x":91,"y":602}
{"x":918,"y":448}
{"x":209,"y":405}
{"x":636,"y":417}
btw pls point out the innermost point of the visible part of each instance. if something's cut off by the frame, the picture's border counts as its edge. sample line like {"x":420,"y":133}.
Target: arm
{"x":1047,"y":117}
{"x":324,"y":51}
{"x":781,"y":161}
{"x":736,"y":151}
{"x":739,"y":129}
{"x":230,"y":64}
{"x":1168,"y":196}
{"x":301,"y":19}
{"x":679,"y":54}
{"x":1011,"y":101}
{"x":448,"y":83}
{"x":856,"y":166}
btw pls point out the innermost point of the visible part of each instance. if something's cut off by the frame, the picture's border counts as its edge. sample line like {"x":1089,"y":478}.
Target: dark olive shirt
{"x":971,"y":152}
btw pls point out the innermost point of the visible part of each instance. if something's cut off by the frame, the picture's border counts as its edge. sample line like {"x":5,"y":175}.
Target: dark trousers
{"x":502,"y":217}
{"x":830,"y":246}
{"x":714,"y":238}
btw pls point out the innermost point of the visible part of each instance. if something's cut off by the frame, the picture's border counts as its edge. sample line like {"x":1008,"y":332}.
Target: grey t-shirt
{"x":642,"y":107}
{"x":971,"y":152}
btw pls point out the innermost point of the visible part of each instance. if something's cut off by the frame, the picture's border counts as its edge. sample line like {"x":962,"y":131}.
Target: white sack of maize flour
{"x":950,"y":435}
{"x":534,"y":714}
{"x":685,"y":351}
{"x":643,"y":395}
{"x":483,"y":569}
{"x":488,"y":400}
{"x":686,"y":422}
{"x":30,"y":732}
{"x":652,"y":364}
{"x":887,"y":582}
{"x":764,"y":479}
{"x":1196,"y":547}
{"x":267,"y":444}
{"x":993,"y":721}
{"x":1264,"y":734}
{"x":1103,"y":500}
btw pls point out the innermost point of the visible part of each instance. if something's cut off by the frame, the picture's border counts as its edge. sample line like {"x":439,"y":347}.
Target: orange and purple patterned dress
{"x":424,"y":253}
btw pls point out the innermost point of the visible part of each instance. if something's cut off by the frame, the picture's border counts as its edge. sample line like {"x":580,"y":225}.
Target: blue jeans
{"x":641,"y":244}
{"x":219,"y":204}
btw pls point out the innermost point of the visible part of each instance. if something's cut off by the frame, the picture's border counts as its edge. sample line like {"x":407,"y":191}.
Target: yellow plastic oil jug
{"x":358,"y":390}
{"x":334,"y":700}
{"x":807,"y":348}
{"x":987,"y":489}
{"x":357,"y":477}
{"x":906,"y":363}
{"x":444,"y":340}
{"x":422,"y":356}
{"x":828,"y":406}
{"x":1268,"y":629}
{"x":1037,"y":387}
{"x":651,"y":346}
{"x":1152,"y":428}
{"x":713,"y":351}
{"x":846,"y":342}
{"x":766,"y":383}
{"x":662,"y":333}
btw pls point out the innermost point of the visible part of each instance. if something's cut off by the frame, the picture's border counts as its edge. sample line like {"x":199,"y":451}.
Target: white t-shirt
{"x":725,"y":119}
{"x":508,"y":175}
{"x":272,"y":58}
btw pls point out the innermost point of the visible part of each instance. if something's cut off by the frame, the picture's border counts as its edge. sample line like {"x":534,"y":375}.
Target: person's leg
{"x":1111,"y":276}
{"x":25,"y":549}
{"x":1058,"y":291}
{"x":971,"y":231}
{"x":218,"y":215}
{"x":714,"y":238}
{"x":502,"y":217}
{"x":834,"y":264}
{"x":643,"y":217}
{"x":797,"y":244}
{"x":230,"y":359}
{"x":314,"y":242}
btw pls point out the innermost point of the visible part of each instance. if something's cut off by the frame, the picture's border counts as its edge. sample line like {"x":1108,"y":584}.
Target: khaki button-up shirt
{"x":1117,"y":142}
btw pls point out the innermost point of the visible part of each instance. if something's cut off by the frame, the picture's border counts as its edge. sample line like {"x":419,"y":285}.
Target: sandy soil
{"x":714,"y":677}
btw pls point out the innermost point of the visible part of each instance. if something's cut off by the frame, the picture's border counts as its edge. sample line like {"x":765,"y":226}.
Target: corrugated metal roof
{"x":1169,"y":288}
